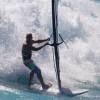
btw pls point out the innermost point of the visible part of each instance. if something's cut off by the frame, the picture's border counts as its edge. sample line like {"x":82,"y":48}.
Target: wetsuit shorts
{"x":32,"y":66}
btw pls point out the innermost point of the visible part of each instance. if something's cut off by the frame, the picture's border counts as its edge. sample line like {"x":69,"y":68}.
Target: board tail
{"x":72,"y":93}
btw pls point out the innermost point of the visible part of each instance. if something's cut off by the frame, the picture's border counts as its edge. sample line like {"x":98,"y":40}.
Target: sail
{"x":55,"y":38}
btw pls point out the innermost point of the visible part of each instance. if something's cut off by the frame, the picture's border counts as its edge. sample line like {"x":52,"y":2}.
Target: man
{"x":27,"y":49}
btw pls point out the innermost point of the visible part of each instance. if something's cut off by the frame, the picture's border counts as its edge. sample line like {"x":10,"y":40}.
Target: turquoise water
{"x":22,"y":95}
{"x":19,"y":91}
{"x":26,"y":95}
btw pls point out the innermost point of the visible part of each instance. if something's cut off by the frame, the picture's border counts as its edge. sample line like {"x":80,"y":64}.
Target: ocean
{"x":78,"y":24}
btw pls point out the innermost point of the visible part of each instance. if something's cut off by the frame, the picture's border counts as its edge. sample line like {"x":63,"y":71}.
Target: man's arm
{"x":40,"y":41}
{"x":38,"y":48}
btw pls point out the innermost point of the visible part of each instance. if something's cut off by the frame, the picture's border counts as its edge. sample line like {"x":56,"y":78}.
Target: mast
{"x":55,"y":38}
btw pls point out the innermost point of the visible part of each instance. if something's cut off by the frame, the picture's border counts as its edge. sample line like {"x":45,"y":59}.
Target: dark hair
{"x":28,"y":37}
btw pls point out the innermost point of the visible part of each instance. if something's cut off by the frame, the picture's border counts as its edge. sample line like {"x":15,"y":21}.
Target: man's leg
{"x":39,"y":75}
{"x":31,"y":77}
{"x":29,"y":63}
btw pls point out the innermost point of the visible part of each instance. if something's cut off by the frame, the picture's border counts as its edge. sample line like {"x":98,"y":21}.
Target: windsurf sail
{"x":55,"y":39}
{"x":56,"y":43}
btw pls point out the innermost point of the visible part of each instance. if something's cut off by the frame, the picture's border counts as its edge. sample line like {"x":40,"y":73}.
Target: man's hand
{"x":48,"y":39}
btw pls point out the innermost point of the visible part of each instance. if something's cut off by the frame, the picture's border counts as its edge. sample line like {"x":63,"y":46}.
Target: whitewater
{"x":78,"y":24}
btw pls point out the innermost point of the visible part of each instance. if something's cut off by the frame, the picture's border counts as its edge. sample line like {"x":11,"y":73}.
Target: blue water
{"x":22,"y":95}
{"x":26,"y":95}
{"x":19,"y":91}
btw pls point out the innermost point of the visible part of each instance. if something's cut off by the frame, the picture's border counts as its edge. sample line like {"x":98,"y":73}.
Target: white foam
{"x":78,"y":24}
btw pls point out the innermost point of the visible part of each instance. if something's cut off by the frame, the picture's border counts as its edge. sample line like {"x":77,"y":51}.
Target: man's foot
{"x":46,"y":86}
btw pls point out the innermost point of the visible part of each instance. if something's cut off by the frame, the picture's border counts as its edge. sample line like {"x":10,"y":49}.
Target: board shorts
{"x":32,"y":66}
